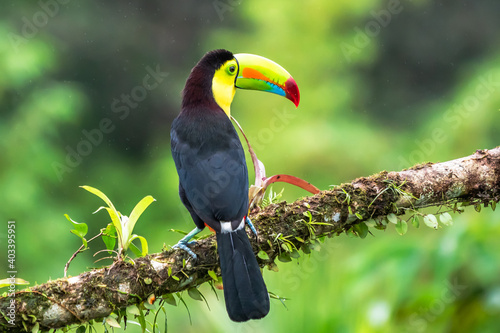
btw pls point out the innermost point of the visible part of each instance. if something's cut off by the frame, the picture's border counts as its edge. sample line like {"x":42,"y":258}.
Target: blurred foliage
{"x":88,"y":92}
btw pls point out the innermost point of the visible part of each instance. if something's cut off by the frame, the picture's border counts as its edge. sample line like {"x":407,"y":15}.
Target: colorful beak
{"x":259,"y":73}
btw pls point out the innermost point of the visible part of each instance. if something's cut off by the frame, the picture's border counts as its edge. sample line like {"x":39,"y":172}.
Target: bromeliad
{"x":257,"y":190}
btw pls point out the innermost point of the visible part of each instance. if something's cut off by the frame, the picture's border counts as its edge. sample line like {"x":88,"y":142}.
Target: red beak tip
{"x":296,"y":101}
{"x":292,"y":90}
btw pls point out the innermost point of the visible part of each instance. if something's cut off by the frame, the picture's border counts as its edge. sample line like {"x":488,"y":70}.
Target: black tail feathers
{"x":244,"y":288}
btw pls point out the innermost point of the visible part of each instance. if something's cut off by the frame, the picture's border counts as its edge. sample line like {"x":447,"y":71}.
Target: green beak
{"x":259,"y":73}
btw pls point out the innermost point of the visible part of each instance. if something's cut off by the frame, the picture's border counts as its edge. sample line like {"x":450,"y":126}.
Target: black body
{"x":213,"y":185}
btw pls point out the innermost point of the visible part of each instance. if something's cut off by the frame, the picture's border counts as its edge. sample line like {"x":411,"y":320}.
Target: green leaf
{"x":299,"y":239}
{"x":263,"y":255}
{"x":477,"y":207}
{"x":213,"y":275}
{"x":361,"y":229}
{"x":142,"y":320}
{"x":113,"y":213}
{"x":17,"y":281}
{"x":182,"y":232}
{"x":401,"y":227}
{"x":187,"y":309}
{"x":446,"y":219}
{"x":295,"y":254}
{"x":80,"y":230}
{"x":431,"y":221}
{"x":170,"y":299}
{"x":370,"y":223}
{"x":195,"y":294}
{"x":415,"y":221}
{"x":115,"y":219}
{"x":35,"y":328}
{"x":137,"y":211}
{"x":287,"y":247}
{"x":112,"y":322}
{"x":135,"y":250}
{"x":100,"y":195}
{"x":493,"y":205}
{"x":134,"y":310}
{"x":308,"y":215}
{"x":284,"y":257}
{"x":144,"y":245}
{"x":109,"y":237}
{"x":81,"y":329}
{"x":392,"y":218}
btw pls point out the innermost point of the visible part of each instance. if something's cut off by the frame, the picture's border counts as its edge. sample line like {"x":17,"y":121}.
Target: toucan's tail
{"x":244,"y":288}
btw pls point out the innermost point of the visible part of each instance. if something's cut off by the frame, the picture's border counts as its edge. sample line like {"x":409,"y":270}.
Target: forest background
{"x":88,"y":92}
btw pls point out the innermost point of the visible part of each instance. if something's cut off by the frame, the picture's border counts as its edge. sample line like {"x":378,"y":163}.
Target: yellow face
{"x":223,"y":87}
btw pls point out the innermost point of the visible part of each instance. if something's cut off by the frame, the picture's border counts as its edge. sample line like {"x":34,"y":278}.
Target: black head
{"x":214,"y":59}
{"x":198,"y":89}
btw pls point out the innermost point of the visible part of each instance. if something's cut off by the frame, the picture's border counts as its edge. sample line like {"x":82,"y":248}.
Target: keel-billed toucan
{"x":213,"y":177}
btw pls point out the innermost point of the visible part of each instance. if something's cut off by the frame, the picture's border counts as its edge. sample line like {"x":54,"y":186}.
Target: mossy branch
{"x":472,"y":180}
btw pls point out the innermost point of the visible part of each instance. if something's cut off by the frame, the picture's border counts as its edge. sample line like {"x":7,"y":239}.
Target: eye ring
{"x":231,"y":69}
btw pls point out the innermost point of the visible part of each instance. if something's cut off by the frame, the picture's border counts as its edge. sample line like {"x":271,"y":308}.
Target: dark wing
{"x":213,"y":174}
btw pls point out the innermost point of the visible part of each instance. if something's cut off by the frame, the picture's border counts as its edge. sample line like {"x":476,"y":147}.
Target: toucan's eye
{"x":231,"y":69}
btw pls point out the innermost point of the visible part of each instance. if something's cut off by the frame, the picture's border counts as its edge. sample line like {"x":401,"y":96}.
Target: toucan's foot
{"x":184,"y":246}
{"x":250,"y":225}
{"x":186,"y":240}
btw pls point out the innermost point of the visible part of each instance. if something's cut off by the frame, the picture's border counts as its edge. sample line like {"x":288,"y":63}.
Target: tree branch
{"x":472,"y":180}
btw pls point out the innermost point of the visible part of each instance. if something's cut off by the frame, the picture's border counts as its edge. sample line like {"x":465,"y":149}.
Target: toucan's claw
{"x":183,"y":246}
{"x":186,"y":240}
{"x":251,"y":226}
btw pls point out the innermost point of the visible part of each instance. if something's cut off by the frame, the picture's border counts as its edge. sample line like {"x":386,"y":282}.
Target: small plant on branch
{"x":121,"y":228}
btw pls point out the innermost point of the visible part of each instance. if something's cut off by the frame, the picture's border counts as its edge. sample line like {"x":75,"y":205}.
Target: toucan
{"x":213,"y":176}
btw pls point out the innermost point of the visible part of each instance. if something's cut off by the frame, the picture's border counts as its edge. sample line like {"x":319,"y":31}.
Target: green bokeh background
{"x":384,"y":85}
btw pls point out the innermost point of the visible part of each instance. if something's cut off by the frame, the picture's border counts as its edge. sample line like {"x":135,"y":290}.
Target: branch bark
{"x":472,"y":180}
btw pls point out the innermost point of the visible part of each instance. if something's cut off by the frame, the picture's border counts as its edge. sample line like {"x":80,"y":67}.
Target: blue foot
{"x":250,"y":225}
{"x":183,"y":246}
{"x":186,"y":240}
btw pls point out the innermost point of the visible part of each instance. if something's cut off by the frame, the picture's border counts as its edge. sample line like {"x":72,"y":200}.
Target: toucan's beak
{"x":259,"y":73}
